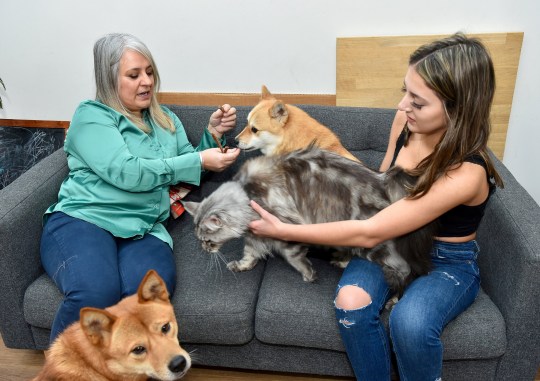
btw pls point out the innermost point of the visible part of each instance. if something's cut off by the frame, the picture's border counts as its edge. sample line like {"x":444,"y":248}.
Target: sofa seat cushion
{"x":41,"y":300}
{"x":303,"y":315}
{"x":212,"y":304}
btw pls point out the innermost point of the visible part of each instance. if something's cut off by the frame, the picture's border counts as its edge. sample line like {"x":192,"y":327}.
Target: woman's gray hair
{"x":108,"y":51}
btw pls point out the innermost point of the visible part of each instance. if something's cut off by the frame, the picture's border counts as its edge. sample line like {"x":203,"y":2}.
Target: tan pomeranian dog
{"x":135,"y":340}
{"x":278,"y":128}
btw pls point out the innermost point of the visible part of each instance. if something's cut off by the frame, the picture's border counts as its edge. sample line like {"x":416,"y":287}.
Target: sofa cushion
{"x":212,"y":304}
{"x":303,"y":315}
{"x":359,"y":129}
{"x":41,"y":300}
{"x":361,"y":134}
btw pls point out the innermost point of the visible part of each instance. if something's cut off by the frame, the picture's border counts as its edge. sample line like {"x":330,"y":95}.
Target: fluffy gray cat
{"x":303,"y":187}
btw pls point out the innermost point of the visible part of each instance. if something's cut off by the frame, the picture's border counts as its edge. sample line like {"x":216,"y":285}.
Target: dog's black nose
{"x":177,"y":364}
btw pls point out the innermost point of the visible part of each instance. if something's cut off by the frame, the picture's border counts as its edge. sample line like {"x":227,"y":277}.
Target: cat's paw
{"x":340,"y":259}
{"x":339,"y":263}
{"x":310,"y":277}
{"x":234,"y":266}
{"x":391,"y":303}
{"x":238,"y":266}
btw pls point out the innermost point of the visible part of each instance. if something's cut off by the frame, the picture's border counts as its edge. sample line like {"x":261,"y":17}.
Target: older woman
{"x":124,"y":150}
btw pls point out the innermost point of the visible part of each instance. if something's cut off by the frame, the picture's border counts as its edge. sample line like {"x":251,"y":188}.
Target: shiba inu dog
{"x":134,"y":340}
{"x":278,"y":128}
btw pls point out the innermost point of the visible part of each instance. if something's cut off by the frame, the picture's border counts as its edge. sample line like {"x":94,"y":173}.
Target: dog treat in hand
{"x":221,"y":148}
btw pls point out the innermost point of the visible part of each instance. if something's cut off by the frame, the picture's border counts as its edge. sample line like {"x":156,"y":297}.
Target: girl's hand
{"x":268,"y":226}
{"x":222,"y":120}
{"x":217,"y":161}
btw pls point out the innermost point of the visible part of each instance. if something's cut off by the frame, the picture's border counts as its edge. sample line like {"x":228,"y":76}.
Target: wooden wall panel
{"x":34,"y":123}
{"x":242,"y":99}
{"x":202,"y":99}
{"x":370,"y":71}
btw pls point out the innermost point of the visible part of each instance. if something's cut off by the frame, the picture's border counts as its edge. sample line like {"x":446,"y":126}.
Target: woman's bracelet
{"x":202,"y":160}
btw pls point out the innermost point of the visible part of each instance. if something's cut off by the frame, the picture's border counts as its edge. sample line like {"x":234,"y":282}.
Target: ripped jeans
{"x":416,"y":321}
{"x":92,"y":268}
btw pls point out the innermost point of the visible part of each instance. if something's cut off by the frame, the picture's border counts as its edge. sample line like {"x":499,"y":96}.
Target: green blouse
{"x":119,"y":176}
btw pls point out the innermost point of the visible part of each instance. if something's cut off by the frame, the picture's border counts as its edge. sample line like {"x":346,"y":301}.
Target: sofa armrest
{"x":21,"y":210}
{"x":510,"y":270}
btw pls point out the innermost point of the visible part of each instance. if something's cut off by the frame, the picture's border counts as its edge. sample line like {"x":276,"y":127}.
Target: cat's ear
{"x":213,"y":223}
{"x":191,"y":207}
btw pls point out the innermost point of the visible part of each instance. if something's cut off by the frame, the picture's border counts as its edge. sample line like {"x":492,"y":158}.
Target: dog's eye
{"x":138,"y":350}
{"x":254,"y":130}
{"x":166,"y":328}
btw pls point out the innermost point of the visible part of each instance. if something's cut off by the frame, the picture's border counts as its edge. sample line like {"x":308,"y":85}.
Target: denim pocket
{"x":462,"y":255}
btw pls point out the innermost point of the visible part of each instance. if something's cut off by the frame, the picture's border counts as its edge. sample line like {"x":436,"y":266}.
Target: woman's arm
{"x":213,"y":158}
{"x":460,"y":186}
{"x":94,"y":142}
{"x":397,"y":126}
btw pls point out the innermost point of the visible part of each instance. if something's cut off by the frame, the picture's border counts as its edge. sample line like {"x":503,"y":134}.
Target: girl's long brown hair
{"x":460,"y":71}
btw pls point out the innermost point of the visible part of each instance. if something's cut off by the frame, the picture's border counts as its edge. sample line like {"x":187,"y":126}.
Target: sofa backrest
{"x":363,"y":131}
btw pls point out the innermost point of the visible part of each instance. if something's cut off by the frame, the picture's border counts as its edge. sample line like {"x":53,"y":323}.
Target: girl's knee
{"x":352,"y":297}
{"x":351,"y":308}
{"x":412,"y":327}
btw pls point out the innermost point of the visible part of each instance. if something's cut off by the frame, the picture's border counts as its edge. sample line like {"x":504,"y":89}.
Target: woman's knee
{"x":101,"y":292}
{"x":132,"y":278}
{"x":352,"y":297}
{"x":412,"y":326}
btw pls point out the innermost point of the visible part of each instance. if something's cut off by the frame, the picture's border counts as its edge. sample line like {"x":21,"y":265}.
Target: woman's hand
{"x":217,"y":161}
{"x":268,"y":226}
{"x":222,"y":120}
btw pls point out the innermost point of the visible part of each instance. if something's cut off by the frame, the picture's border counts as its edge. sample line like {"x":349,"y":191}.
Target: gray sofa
{"x":268,"y":318}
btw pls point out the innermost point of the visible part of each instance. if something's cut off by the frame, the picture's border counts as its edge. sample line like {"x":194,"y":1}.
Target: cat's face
{"x":207,"y":227}
{"x":222,"y":216}
{"x":213,"y":228}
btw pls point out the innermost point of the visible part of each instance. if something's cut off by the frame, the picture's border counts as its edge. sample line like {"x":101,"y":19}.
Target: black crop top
{"x":462,"y":220}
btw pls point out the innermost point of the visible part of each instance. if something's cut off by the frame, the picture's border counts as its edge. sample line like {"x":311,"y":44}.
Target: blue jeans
{"x":92,"y":268}
{"x":416,"y":321}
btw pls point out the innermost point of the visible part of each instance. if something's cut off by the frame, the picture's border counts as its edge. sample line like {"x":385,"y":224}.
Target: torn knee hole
{"x":352,"y":297}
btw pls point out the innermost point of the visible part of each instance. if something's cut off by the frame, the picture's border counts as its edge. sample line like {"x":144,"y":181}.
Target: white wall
{"x":237,"y":45}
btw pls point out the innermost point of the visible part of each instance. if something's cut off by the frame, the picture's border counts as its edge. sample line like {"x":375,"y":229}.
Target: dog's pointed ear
{"x":152,"y":288}
{"x":96,"y":325}
{"x":279,"y":112}
{"x":191,"y":207}
{"x":265,"y":93}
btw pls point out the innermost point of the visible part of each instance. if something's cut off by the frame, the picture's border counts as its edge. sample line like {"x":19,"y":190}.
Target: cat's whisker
{"x":221,"y":257}
{"x":224,"y":260}
{"x":211,"y":261}
{"x":217,"y":257}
